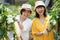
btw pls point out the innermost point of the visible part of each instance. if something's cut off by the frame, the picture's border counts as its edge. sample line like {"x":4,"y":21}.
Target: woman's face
{"x":40,"y":10}
{"x":25,"y":14}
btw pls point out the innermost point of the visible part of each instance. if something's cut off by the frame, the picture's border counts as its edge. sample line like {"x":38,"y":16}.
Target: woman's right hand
{"x":39,"y":33}
{"x":45,"y":32}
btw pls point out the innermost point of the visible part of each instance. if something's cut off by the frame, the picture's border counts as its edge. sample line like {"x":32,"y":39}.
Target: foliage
{"x":7,"y":17}
{"x":6,"y":20}
{"x":32,"y":2}
{"x":55,"y":13}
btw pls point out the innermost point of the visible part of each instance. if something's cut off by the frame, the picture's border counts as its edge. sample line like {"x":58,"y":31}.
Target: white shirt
{"x":26,"y":25}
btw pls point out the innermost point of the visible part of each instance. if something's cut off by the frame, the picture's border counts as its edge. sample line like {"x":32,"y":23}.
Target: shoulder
{"x":35,"y":19}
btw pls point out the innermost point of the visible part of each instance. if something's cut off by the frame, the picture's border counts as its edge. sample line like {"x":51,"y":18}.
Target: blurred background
{"x":11,"y":7}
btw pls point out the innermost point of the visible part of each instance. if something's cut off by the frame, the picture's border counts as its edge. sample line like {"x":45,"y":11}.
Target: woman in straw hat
{"x":23,"y":23}
{"x":40,"y":24}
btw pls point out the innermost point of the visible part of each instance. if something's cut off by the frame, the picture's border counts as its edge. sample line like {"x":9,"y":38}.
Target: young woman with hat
{"x":24,"y":23}
{"x":40,"y":24}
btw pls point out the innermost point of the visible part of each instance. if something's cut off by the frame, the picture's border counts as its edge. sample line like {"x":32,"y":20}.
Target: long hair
{"x":37,"y":15}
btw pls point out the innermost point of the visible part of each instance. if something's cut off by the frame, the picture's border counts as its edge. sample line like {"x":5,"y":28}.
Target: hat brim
{"x":26,"y":9}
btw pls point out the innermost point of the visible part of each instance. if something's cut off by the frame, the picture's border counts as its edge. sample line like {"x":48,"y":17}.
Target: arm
{"x":17,"y":30}
{"x":20,"y":25}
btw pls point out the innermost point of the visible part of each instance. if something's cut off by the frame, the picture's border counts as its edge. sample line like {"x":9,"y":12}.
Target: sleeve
{"x":49,"y":25}
{"x":34,"y":30}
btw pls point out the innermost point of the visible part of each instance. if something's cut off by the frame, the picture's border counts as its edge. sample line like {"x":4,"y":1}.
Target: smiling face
{"x":40,"y":10}
{"x":25,"y":13}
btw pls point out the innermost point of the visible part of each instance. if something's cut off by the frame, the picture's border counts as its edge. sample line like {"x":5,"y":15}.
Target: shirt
{"x":26,"y":28}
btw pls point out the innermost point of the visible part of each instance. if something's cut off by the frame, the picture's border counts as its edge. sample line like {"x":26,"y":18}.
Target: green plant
{"x":32,"y":2}
{"x":5,"y":24}
{"x":55,"y":12}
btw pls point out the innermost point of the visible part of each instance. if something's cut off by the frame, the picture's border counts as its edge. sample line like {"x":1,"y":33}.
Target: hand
{"x":45,"y":32}
{"x":39,"y":33}
{"x":20,"y":25}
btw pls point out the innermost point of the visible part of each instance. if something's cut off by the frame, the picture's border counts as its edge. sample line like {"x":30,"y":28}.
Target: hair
{"x":22,"y":10}
{"x":37,"y":15}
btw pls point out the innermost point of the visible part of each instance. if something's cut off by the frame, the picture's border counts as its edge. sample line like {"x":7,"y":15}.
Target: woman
{"x":40,"y":24}
{"x":24,"y":23}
